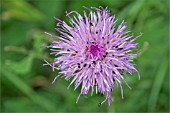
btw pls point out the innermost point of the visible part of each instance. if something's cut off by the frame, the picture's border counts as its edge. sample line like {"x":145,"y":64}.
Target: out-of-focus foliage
{"x":26,"y":84}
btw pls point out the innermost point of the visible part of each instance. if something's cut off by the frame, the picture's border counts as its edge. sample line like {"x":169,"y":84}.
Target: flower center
{"x":95,"y":51}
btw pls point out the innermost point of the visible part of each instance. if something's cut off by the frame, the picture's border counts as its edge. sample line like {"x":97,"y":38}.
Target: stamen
{"x":95,"y":50}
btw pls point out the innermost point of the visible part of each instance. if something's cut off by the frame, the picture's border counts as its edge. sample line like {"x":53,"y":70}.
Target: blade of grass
{"x":24,"y":88}
{"x":157,"y":84}
{"x":22,"y":10}
{"x":131,"y":11}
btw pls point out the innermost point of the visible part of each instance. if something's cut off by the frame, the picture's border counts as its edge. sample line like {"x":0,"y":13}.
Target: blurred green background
{"x":26,"y":84}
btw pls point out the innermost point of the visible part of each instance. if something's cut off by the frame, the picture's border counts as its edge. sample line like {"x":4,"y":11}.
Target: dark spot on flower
{"x":101,"y":67}
{"x":101,"y":70}
{"x":113,"y":55}
{"x":87,"y":42}
{"x":107,"y":42}
{"x":76,"y":71}
{"x":89,"y":66}
{"x":94,"y":62}
{"x":116,"y":65}
{"x":113,"y":72}
{"x":96,"y":32}
{"x":92,"y":42}
{"x":116,"y":46}
{"x":91,"y":24}
{"x":99,"y":104}
{"x":76,"y":51}
{"x":68,"y":50}
{"x":104,"y":56}
{"x":106,"y":53}
{"x":113,"y":79}
{"x":102,"y":37}
{"x":120,"y":48}
{"x":78,"y":65}
{"x":84,"y":18}
{"x":85,"y":65}
{"x":95,"y":82}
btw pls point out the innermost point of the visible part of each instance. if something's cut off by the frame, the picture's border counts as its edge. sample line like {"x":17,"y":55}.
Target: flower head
{"x":93,"y":52}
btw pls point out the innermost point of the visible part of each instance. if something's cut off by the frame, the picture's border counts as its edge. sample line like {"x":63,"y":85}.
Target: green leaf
{"x":23,"y":66}
{"x":38,"y":42}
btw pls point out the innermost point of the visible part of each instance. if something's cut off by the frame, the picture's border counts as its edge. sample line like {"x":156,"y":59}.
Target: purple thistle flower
{"x":93,"y":52}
